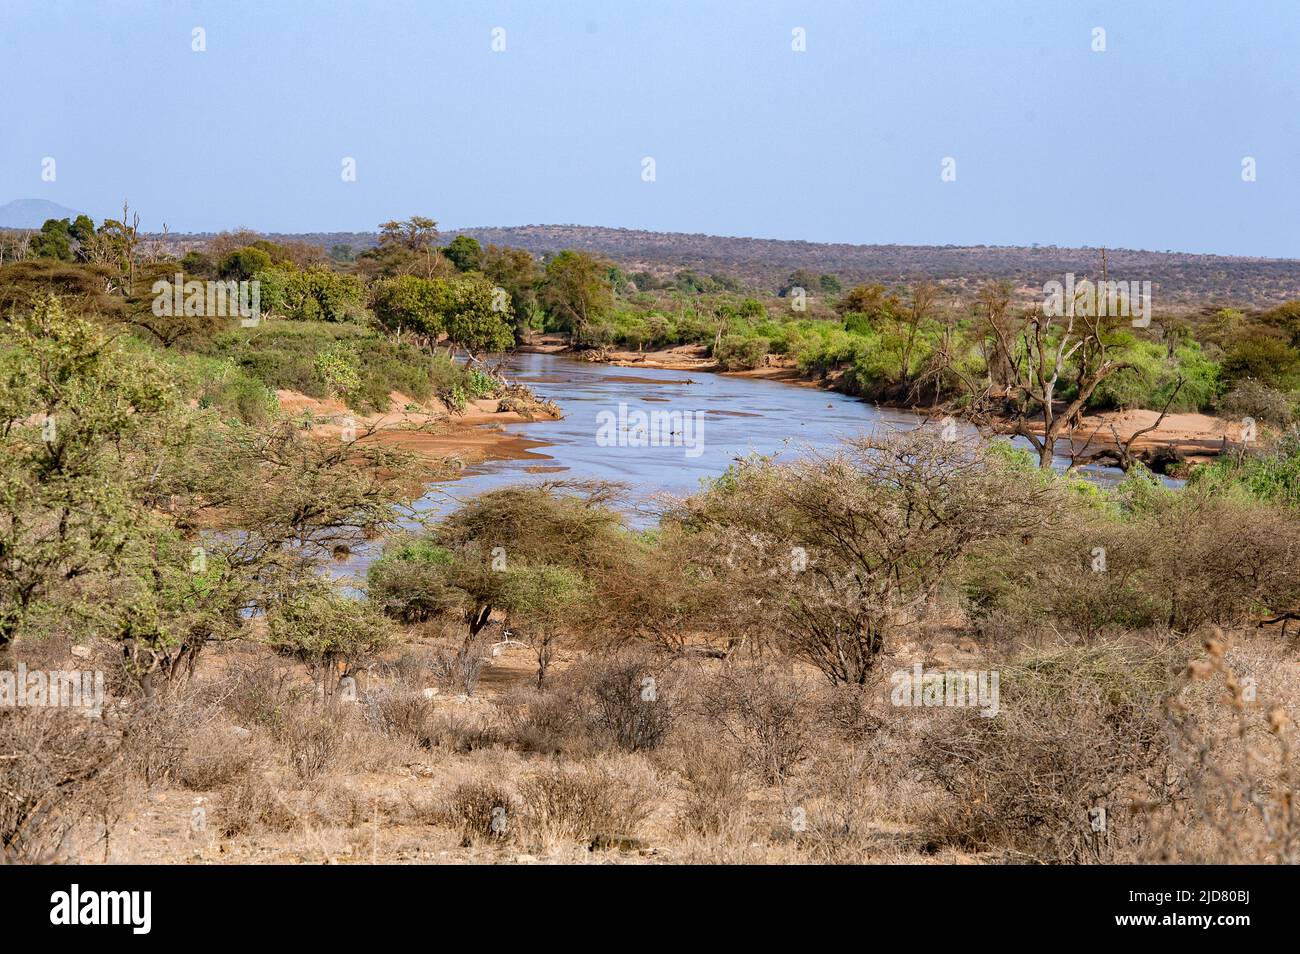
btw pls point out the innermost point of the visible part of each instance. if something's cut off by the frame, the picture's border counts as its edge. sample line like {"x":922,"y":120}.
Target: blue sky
{"x":1139,"y":146}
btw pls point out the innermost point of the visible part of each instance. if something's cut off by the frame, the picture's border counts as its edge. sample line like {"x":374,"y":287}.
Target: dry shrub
{"x":255,"y":692}
{"x":714,"y":801}
{"x":156,"y":735}
{"x":254,"y":804}
{"x":577,"y":802}
{"x":458,"y":669}
{"x":216,"y":756}
{"x":1233,"y":742}
{"x":401,"y":713}
{"x":57,"y":769}
{"x":463,"y":730}
{"x":764,"y":711}
{"x":336,"y":806}
{"x":315,"y":742}
{"x":1164,"y":564}
{"x":1016,"y":589}
{"x":482,"y":811}
{"x":1078,"y":730}
{"x":626,"y":702}
{"x":846,"y":712}
{"x":631,"y":704}
{"x":838,"y":805}
{"x":412,"y":669}
{"x":548,"y":723}
{"x":830,"y":555}
{"x":1251,"y":398}
{"x":431,"y":723}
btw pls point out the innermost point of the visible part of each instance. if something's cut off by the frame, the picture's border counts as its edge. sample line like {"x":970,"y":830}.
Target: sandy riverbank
{"x":426,"y":429}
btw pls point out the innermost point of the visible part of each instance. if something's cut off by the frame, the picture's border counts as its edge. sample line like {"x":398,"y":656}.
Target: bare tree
{"x":1028,"y":360}
{"x":1121,"y":453}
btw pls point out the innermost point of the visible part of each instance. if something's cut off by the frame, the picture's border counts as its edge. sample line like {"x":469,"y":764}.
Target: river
{"x":736,"y":416}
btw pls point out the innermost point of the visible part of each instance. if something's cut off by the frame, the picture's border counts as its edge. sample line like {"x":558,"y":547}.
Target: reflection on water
{"x":740,"y":416}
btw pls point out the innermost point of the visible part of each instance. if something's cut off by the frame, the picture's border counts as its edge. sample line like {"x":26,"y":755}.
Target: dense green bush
{"x":1264,"y":358}
{"x":1151,"y":377}
{"x":737,"y":353}
{"x":284,"y":355}
{"x":1271,"y":475}
{"x":312,"y":294}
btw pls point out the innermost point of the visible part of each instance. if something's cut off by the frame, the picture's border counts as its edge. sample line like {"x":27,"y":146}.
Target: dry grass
{"x":581,"y":802}
{"x":751,"y":763}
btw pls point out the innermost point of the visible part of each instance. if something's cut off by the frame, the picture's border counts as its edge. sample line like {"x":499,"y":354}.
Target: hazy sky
{"x":1140,"y":146}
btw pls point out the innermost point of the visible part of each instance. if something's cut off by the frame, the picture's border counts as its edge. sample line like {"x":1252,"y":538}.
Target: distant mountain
{"x":32,"y":213}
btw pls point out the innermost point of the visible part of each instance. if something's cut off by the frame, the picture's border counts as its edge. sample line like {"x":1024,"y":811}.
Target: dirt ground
{"x":384,"y":810}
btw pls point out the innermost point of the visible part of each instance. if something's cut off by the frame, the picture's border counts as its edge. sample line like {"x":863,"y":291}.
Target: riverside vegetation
{"x":529,"y":678}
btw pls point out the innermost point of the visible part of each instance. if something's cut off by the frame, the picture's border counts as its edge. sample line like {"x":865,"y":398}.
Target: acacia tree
{"x":334,"y":634}
{"x":116,"y":244}
{"x":287,"y":504}
{"x":408,"y":303}
{"x":169,"y":329}
{"x":467,"y":563}
{"x":466,"y":308}
{"x":923,"y":299}
{"x":516,"y":271}
{"x":475,"y":317}
{"x":830,"y":556}
{"x":71,"y":402}
{"x":107,"y":478}
{"x":542,"y":602}
{"x":406,"y":247}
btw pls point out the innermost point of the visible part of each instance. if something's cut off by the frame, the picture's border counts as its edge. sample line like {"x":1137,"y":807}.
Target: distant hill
{"x":1180,"y":281}
{"x":32,"y":213}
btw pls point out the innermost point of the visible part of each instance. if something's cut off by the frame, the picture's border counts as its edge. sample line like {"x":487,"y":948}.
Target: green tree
{"x":465,"y":253}
{"x":244,"y":264}
{"x":476,"y":318}
{"x":515,"y":270}
{"x":466,"y":562}
{"x":576,"y":292}
{"x":70,"y":402}
{"x":417,"y":234}
{"x":408,"y":303}
{"x":872,"y":301}
{"x":337,"y":366}
{"x":321,"y":294}
{"x":54,"y":240}
{"x":542,"y":602}
{"x":1263,"y":357}
{"x":324,"y":628}
{"x":83,"y":232}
